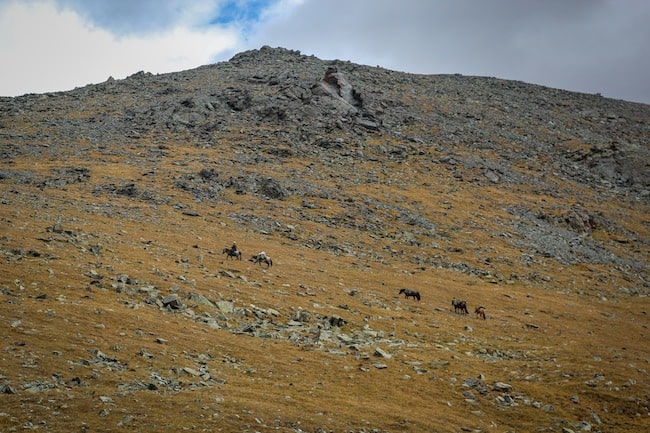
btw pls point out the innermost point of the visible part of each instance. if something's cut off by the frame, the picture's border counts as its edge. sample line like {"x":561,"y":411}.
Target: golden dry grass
{"x":277,"y":386}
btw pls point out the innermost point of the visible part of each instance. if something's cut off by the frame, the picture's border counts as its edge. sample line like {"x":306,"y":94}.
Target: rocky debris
{"x":595,"y":142}
{"x":563,"y":239}
{"x":271,"y":188}
{"x":502,"y":387}
{"x":204,"y":185}
{"x":382,"y":353}
{"x":7,"y":388}
{"x":102,"y":359}
{"x":38,"y":386}
{"x":302,"y":327}
{"x":172,"y":302}
{"x":59,"y":178}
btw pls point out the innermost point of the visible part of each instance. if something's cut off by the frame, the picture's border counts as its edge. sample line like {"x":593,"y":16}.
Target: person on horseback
{"x":234,"y":247}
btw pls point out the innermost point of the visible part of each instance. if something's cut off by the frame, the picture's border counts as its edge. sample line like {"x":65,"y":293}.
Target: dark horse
{"x":480,"y":312}
{"x":459,"y":306}
{"x":232,"y":254}
{"x":262,"y":258}
{"x":408,"y":293}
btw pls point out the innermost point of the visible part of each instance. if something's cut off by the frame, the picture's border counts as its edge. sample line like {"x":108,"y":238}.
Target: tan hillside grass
{"x":278,"y":386}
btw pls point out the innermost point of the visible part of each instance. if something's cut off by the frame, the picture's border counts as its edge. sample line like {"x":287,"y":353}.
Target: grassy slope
{"x":565,"y":336}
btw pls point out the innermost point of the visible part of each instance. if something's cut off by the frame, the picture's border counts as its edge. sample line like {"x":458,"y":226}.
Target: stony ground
{"x":120,"y":312}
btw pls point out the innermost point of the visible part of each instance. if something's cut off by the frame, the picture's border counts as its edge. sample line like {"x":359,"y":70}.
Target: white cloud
{"x":52,"y":49}
{"x":128,"y":17}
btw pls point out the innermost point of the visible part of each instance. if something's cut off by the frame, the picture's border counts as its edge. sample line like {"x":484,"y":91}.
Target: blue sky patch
{"x":238,"y":11}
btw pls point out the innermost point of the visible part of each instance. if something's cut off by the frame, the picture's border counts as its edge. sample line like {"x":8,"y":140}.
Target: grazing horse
{"x":408,"y":293}
{"x":460,"y":306}
{"x":232,"y":254}
{"x":480,"y":312}
{"x":260,"y":258}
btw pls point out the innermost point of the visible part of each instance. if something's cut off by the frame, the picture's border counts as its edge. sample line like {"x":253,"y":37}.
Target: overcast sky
{"x":593,"y":46}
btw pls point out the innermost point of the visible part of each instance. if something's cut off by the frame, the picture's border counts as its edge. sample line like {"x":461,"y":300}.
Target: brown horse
{"x":460,"y":306}
{"x":480,"y":312}
{"x":408,"y":293}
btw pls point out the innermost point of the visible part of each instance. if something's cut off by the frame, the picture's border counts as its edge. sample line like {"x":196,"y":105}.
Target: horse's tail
{"x":417,"y":295}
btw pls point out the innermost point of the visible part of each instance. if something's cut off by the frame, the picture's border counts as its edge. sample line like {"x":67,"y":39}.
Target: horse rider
{"x":234,"y":247}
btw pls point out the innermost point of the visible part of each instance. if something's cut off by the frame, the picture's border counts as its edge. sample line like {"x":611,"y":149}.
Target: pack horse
{"x":260,"y":258}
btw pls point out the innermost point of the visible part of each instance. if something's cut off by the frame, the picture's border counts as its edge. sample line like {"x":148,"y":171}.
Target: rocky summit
{"x":442,"y":253}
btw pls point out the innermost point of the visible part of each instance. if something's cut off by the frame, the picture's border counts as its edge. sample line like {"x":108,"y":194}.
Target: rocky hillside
{"x":120,"y":312}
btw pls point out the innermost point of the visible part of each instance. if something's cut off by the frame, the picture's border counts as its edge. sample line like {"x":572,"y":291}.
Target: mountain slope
{"x":120,"y":311}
